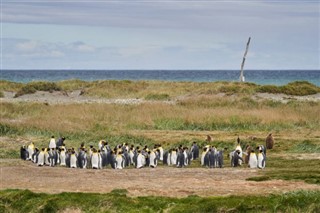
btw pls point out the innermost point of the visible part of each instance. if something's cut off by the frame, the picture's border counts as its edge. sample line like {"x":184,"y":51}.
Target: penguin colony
{"x":123,"y":155}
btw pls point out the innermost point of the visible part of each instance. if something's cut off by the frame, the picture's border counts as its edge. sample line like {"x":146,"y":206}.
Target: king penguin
{"x":253,"y":161}
{"x":261,"y":160}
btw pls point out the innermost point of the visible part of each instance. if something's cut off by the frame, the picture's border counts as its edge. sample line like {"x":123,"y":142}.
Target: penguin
{"x":140,"y":160}
{"x":51,"y":157}
{"x":253,"y":161}
{"x":52,"y":143}
{"x":160,"y":153}
{"x":153,"y":159}
{"x":35,"y":155}
{"x":261,"y":160}
{"x":180,"y":159}
{"x":186,"y":157}
{"x":46,"y":157}
{"x":82,"y":158}
{"x":247,"y":153}
{"x":173,"y":157}
{"x":41,"y":157}
{"x":73,"y":159}
{"x":238,"y":147}
{"x":169,"y":158}
{"x":220,"y":159}
{"x":195,"y":151}
{"x":131,"y":156}
{"x":101,"y":144}
{"x":211,"y":158}
{"x":119,"y":160}
{"x":62,"y":156}
{"x":30,"y":150}
{"x":203,"y":154}
{"x":269,"y":141}
{"x":24,"y":155}
{"x":236,"y":159}
{"x":100,"y":159}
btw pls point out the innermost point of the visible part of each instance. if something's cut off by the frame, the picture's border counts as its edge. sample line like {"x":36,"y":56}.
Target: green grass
{"x":118,"y":201}
{"x":307,"y":170}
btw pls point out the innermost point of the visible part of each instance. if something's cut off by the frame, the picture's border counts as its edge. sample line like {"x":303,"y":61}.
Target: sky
{"x":163,"y":34}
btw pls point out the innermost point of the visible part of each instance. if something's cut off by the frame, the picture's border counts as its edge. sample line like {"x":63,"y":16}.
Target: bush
{"x":32,"y":87}
{"x":299,"y":88}
{"x":1,"y":94}
{"x":161,"y":96}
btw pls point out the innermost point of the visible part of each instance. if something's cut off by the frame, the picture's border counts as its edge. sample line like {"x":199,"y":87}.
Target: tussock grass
{"x":118,"y":201}
{"x":157,"y":97}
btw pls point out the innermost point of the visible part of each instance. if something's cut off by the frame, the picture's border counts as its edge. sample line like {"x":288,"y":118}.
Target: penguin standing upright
{"x":24,"y":155}
{"x":73,"y":160}
{"x":236,"y":159}
{"x":120,"y":161}
{"x":173,"y":157}
{"x":261,"y":160}
{"x":253,"y":161}
{"x":153,"y":159}
{"x":62,"y":156}
{"x":95,"y":159}
{"x":203,"y":155}
{"x":160,"y":153}
{"x":238,"y":148}
{"x":41,"y":157}
{"x":46,"y":157}
{"x":30,"y":150}
{"x":140,"y":160}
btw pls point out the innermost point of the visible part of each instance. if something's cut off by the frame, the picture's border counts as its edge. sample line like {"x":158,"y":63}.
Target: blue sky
{"x":54,"y":34}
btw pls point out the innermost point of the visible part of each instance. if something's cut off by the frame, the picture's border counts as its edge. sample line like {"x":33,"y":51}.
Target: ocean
{"x":263,"y":77}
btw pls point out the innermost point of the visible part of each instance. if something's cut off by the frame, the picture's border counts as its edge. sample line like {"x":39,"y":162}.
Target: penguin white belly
{"x":119,"y":162}
{"x":173,"y":158}
{"x":140,"y":161}
{"x":62,"y":158}
{"x":95,"y":161}
{"x":169,"y":159}
{"x":202,"y":158}
{"x":41,"y":159}
{"x":185,"y":158}
{"x":261,"y":165}
{"x":253,"y":161}
{"x":161,"y":154}
{"x":46,"y":158}
{"x":240,"y":154}
{"x":152,"y":160}
{"x":73,"y":161}
{"x":30,"y":151}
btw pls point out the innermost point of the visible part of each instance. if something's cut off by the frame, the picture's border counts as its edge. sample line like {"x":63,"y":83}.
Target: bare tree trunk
{"x":242,"y":79}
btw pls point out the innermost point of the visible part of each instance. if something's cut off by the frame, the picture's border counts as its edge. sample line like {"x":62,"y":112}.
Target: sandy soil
{"x":162,"y":181}
{"x":58,"y":97}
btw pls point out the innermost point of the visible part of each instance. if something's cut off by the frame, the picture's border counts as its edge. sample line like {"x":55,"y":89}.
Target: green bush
{"x":161,"y":96}
{"x":299,"y":88}
{"x":32,"y":87}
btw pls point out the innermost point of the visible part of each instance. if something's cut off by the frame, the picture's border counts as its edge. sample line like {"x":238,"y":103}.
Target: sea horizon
{"x":263,"y":77}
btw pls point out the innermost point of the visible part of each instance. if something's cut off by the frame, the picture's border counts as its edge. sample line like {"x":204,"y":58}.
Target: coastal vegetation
{"x":175,"y":113}
{"x":157,"y":89}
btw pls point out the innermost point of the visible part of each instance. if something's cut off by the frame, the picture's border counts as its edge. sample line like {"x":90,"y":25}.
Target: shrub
{"x":1,"y":94}
{"x":161,"y":96}
{"x":32,"y":87}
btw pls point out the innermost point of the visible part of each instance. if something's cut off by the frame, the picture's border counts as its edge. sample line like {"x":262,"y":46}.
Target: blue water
{"x":275,"y":77}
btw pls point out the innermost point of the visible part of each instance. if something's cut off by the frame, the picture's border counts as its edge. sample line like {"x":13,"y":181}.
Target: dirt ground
{"x":161,"y":181}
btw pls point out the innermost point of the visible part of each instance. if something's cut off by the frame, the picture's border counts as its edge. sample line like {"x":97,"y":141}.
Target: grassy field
{"x":117,"y":201}
{"x":198,"y":111}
